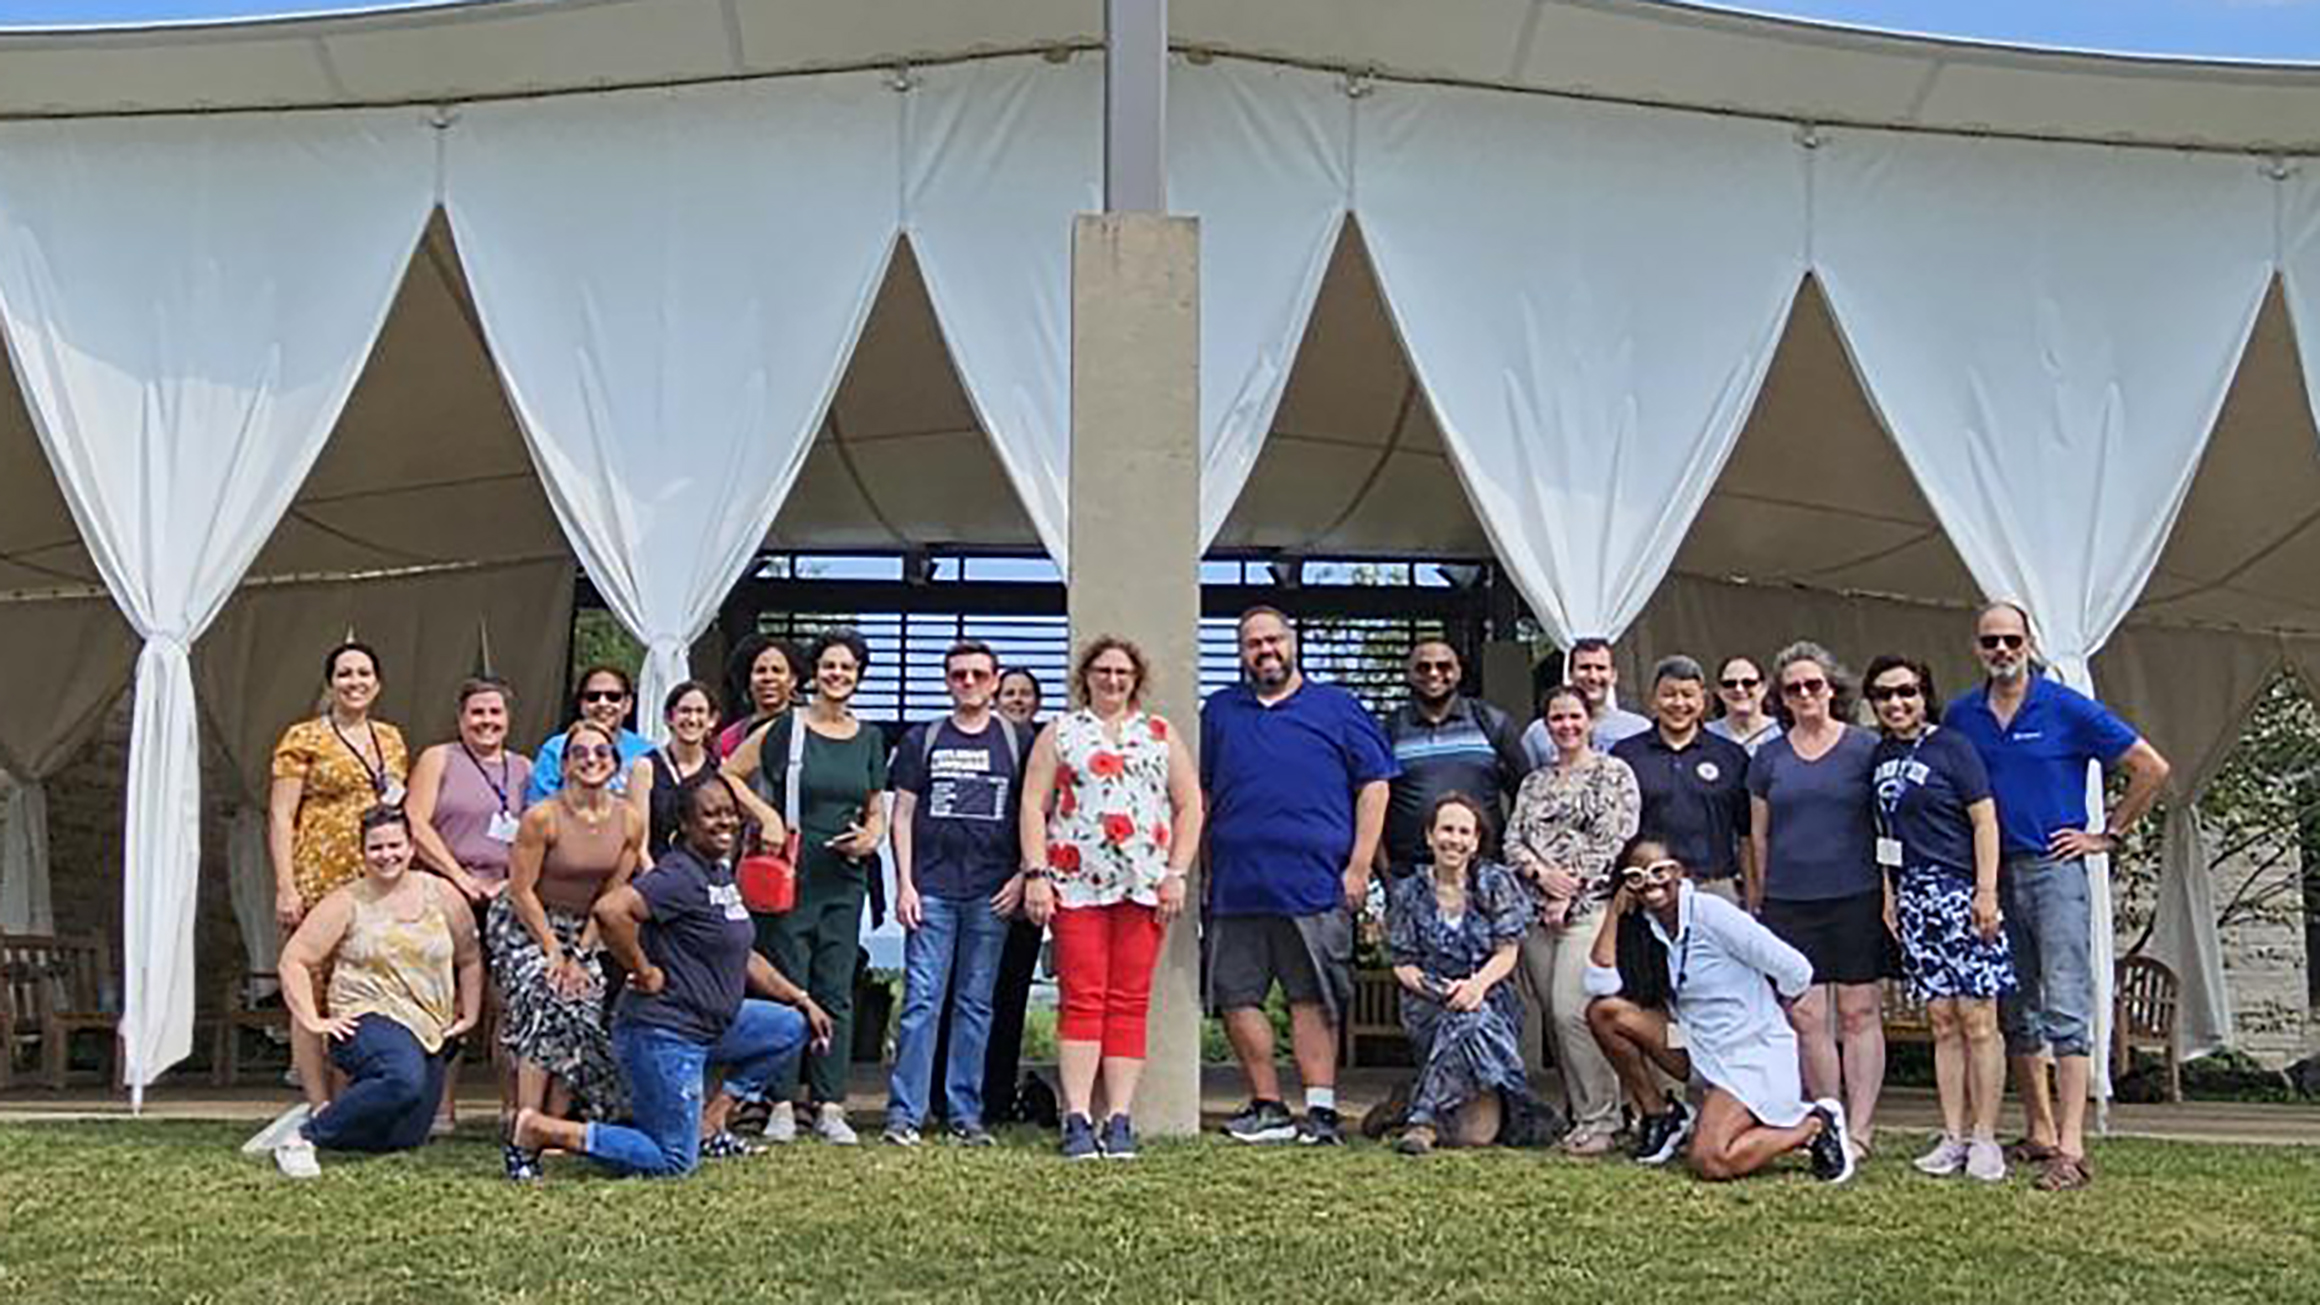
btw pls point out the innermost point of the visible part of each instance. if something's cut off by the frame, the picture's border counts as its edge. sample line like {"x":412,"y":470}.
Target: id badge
{"x":502,"y":828}
{"x":1676,"y":1041}
{"x":393,"y":794}
{"x":1889,"y":853}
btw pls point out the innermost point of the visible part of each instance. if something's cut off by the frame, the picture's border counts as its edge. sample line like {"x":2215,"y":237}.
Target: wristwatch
{"x":1032,"y":872}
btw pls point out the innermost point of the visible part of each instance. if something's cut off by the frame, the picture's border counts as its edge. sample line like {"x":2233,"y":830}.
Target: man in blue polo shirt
{"x":1445,"y":742}
{"x":1296,"y":775}
{"x":2036,"y":736}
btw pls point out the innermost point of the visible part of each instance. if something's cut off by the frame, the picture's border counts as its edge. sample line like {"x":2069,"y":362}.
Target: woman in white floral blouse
{"x":1111,"y":821}
{"x":1570,"y":820}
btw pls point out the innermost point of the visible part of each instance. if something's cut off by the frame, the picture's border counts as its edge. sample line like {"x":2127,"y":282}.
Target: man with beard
{"x":1694,"y":783}
{"x":2036,"y":736}
{"x":1446,"y":742}
{"x":1296,"y":775}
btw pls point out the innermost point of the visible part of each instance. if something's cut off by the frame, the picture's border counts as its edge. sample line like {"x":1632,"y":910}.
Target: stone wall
{"x":2265,"y":965}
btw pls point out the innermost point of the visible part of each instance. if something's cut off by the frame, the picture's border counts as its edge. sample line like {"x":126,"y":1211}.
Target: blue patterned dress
{"x":1461,"y":1054}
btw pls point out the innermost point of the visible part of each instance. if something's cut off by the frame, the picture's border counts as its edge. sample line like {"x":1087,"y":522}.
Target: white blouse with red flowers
{"x":1107,"y":835}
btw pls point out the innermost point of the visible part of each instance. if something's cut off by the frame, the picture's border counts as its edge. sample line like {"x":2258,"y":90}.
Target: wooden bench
{"x":235,"y":1014}
{"x":1905,"y":1017}
{"x":1375,"y":1014}
{"x":52,"y":988}
{"x":2144,"y":998}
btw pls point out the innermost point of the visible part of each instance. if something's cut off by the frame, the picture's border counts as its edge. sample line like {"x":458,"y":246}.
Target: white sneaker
{"x":295,"y":1158}
{"x":781,"y":1123}
{"x":830,"y":1125}
{"x":1986,"y":1160}
{"x":283,"y":1127}
{"x":1947,"y":1157}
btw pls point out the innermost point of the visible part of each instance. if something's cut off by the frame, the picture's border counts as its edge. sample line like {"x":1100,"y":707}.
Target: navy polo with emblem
{"x":1695,"y":798}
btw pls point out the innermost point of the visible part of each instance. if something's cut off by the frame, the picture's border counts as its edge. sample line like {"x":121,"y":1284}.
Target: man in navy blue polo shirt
{"x":2036,"y":736}
{"x":1296,"y":775}
{"x":1694,"y":784}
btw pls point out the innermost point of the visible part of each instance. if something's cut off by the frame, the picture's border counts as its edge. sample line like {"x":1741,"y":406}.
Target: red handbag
{"x":768,"y":879}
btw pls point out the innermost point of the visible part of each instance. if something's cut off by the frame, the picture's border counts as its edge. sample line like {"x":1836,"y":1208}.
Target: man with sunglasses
{"x":1446,"y":742}
{"x":2036,"y":737}
{"x":1694,"y":784}
{"x":604,"y":697}
{"x":956,"y":784}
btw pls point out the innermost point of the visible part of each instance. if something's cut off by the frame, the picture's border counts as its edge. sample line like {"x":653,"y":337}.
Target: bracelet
{"x":1034,"y":873}
{"x":1172,"y":873}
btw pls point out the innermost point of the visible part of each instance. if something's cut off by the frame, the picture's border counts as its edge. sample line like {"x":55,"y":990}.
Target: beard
{"x":1269,"y":674}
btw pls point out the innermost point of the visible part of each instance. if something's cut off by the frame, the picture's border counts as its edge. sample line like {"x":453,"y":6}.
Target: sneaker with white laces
{"x":781,"y":1123}
{"x":830,"y":1125}
{"x":1262,"y":1122}
{"x":900,"y":1133}
{"x":1661,"y":1136}
{"x":1947,"y":1157}
{"x":295,"y":1158}
{"x":1830,"y":1149}
{"x":1985,"y":1160}
{"x":279,"y":1130}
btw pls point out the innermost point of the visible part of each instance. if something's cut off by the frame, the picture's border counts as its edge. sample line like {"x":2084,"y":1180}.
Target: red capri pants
{"x":1103,"y":960}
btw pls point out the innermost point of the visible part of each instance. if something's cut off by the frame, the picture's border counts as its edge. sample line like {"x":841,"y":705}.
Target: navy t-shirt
{"x":2037,"y":763}
{"x":1281,"y":782}
{"x":1924,"y":786}
{"x":1695,"y":798}
{"x":963,"y":831}
{"x":699,"y":935}
{"x":1823,"y":831}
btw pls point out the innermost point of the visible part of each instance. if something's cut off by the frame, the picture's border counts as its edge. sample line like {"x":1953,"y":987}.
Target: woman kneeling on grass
{"x":406,"y":978}
{"x":685,"y":938}
{"x":1718,"y":1007}
{"x":1455,"y":930}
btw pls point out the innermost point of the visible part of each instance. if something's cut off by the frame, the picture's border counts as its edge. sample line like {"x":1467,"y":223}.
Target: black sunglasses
{"x":604,"y":695}
{"x":1738,"y":682}
{"x":1994,"y":642}
{"x":1888,"y":692}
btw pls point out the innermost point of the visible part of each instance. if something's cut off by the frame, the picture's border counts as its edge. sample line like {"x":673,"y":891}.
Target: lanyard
{"x":498,"y":789}
{"x":378,"y":773}
{"x":1683,"y":965}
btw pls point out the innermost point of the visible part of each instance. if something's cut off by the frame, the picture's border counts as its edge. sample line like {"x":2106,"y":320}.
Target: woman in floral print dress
{"x":1111,"y":820}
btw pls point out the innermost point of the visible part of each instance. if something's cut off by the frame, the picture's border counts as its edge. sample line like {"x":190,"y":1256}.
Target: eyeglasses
{"x":593,"y":752}
{"x":967,"y":675}
{"x":2010,"y":642}
{"x":1888,"y":692}
{"x":1434,"y":668}
{"x":1111,"y":672}
{"x":1741,"y":682}
{"x":1804,"y":688}
{"x":1648,"y":876}
{"x":604,"y":695}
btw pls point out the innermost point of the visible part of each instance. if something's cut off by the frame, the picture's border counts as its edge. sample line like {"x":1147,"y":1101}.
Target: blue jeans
{"x":391,"y":1092}
{"x":2050,"y":929}
{"x":664,"y":1070}
{"x":957,"y":947}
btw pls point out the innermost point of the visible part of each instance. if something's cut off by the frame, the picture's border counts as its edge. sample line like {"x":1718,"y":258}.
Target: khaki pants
{"x":1727,"y":888}
{"x":1554,"y":969}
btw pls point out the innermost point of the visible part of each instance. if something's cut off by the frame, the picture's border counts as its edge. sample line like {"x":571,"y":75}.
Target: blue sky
{"x":2247,"y":29}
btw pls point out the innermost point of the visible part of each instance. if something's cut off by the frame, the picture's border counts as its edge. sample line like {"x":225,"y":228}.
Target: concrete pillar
{"x":1135,"y":535}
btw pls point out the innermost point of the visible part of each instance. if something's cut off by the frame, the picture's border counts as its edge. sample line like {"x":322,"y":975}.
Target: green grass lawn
{"x":162,"y":1211}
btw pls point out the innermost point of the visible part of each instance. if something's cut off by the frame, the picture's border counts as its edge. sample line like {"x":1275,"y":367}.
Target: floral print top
{"x":336,"y":787}
{"x":1107,"y":834}
{"x":1576,"y":821}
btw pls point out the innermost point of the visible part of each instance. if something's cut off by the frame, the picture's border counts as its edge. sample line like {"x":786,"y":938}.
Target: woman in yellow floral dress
{"x":327,"y":772}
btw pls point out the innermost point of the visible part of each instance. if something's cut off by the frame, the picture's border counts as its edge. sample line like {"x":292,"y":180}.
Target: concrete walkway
{"x":1905,"y":1109}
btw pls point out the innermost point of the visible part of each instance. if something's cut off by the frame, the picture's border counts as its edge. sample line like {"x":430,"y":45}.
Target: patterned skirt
{"x":1940,"y":951}
{"x":1463,"y":1054}
{"x":566,"y":1036}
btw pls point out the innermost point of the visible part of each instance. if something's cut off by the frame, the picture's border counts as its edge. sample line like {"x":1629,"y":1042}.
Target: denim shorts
{"x":2050,"y":928}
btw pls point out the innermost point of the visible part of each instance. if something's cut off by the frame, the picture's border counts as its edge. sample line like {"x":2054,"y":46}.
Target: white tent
{"x":1872,"y":325}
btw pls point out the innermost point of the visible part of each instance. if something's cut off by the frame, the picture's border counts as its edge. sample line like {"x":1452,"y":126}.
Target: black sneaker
{"x":1661,"y":1136}
{"x":970,"y":1133}
{"x":1322,"y":1127}
{"x":1119,"y":1139}
{"x":522,"y":1165}
{"x":725,"y":1144}
{"x":1262,"y":1122}
{"x":1832,"y":1159}
{"x":1079,"y":1138}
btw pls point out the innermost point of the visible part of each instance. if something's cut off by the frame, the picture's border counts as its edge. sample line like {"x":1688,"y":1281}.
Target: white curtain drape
{"x":65,"y":662}
{"x":1591,"y":295}
{"x":1003,"y":154}
{"x":2048,"y":332}
{"x":187,"y":303}
{"x":2196,"y":720}
{"x":671,"y":282}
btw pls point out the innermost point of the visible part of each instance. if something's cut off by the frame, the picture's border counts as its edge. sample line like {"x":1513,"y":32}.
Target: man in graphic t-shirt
{"x":957,"y":784}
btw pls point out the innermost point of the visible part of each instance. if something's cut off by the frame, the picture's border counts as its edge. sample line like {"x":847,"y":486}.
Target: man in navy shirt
{"x":957,"y":786}
{"x":1445,"y":742}
{"x":2036,"y":737}
{"x":1296,"y":775}
{"x":1694,"y":784}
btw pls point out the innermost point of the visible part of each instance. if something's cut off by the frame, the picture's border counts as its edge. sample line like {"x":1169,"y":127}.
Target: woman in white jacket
{"x":1694,"y":985}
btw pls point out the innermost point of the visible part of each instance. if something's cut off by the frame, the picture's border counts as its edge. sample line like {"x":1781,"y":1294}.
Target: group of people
{"x":1703,"y":911}
{"x":1700,"y":904}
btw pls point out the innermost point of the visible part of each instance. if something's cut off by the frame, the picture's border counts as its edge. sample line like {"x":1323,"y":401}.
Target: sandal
{"x":2064,"y":1174}
{"x":2023,"y":1151}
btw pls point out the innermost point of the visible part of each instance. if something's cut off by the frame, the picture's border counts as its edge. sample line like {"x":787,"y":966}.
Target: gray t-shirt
{"x":1823,"y":826}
